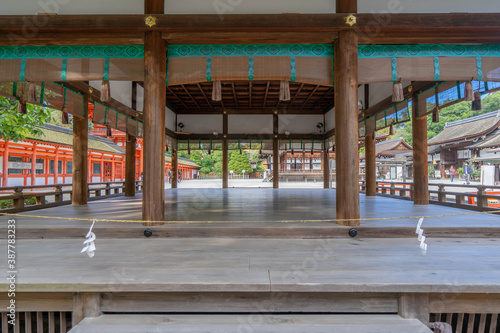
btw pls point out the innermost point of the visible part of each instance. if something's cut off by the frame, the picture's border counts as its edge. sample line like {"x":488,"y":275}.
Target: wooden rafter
{"x":177,"y":97}
{"x":191,"y":96}
{"x":205,"y":95}
{"x":265,"y":96}
{"x":250,"y":94}
{"x":310,"y":95}
{"x":234,"y":94}
{"x":323,"y":97}
{"x":297,"y":93}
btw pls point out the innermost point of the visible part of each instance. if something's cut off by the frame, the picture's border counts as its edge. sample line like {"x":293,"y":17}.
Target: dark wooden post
{"x":346,"y":127}
{"x":153,"y":203}
{"x":326,"y":167}
{"x":33,"y":165}
{"x":420,"y":166}
{"x":276,"y":152}
{"x":175,"y":168}
{"x":130,"y":167}
{"x":80,"y":154}
{"x":346,"y":6}
{"x":225,"y":152}
{"x":370,"y":166}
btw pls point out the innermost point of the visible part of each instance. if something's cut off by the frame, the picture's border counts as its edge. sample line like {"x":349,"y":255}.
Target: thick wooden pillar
{"x":130,"y":167}
{"x":346,"y":6}
{"x":370,"y":166}
{"x":154,"y":6}
{"x":225,"y":152}
{"x":276,"y":153}
{"x":153,"y":202}
{"x":326,"y":168}
{"x":175,"y":168}
{"x":420,"y":167}
{"x":80,"y":157}
{"x":346,"y":127}
{"x":5,"y":165}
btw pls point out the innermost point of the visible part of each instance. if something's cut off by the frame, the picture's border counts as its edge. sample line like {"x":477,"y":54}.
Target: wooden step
{"x":254,"y":323}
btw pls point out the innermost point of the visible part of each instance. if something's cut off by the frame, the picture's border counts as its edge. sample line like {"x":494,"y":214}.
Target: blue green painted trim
{"x":42,"y":92}
{"x":308,"y":50}
{"x":437,"y":71}
{"x":81,"y":52}
{"x":14,"y":89}
{"x":427,"y":50}
{"x":479,"y":64}
{"x":394,"y":66}
{"x":106,"y":70}
{"x":209,"y":69}
{"x":22,"y":73}
{"x":250,"y":68}
{"x":292,"y":69}
{"x":64,"y":69}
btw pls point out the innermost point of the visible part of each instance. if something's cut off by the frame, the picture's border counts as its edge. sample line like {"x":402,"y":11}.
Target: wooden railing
{"x":474,"y":197}
{"x":56,"y":195}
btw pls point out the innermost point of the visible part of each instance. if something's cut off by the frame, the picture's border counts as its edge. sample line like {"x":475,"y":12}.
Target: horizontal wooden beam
{"x":372,"y":28}
{"x":281,"y":110}
{"x":250,"y":137}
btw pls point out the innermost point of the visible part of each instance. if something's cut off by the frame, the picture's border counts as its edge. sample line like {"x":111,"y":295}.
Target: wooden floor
{"x":264,"y":324}
{"x":258,"y":265}
{"x":258,"y":213}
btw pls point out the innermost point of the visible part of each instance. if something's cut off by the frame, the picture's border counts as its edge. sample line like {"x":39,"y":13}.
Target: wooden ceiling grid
{"x":252,"y":97}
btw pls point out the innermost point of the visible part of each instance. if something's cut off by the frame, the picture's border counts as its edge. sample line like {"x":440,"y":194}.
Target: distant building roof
{"x":467,"y":128}
{"x":391,"y":148}
{"x":182,"y":160}
{"x":491,"y":140}
{"x":64,"y":136}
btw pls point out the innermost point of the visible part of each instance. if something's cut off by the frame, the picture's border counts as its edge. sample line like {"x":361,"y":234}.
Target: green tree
{"x":254,"y":156}
{"x":15,"y":126}
{"x":239,"y":162}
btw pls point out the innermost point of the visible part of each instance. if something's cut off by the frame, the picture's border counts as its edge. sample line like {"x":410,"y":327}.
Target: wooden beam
{"x":85,"y":305}
{"x":153,"y":203}
{"x":326,"y":168}
{"x":190,"y":96}
{"x":255,"y":136}
{"x":234,"y":94}
{"x":177,"y":97}
{"x":414,"y":306}
{"x":154,"y":6}
{"x":225,"y":153}
{"x":420,"y":162}
{"x":265,"y":95}
{"x":310,"y":95}
{"x":276,"y":152}
{"x":296,"y":94}
{"x":130,"y":161}
{"x":268,"y":110}
{"x":346,"y":127}
{"x":346,"y":6}
{"x":370,"y":166}
{"x":250,"y":94}
{"x":205,"y":96}
{"x":80,"y":155}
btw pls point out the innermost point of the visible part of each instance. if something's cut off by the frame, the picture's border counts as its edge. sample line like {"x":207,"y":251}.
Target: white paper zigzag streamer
{"x":88,"y":244}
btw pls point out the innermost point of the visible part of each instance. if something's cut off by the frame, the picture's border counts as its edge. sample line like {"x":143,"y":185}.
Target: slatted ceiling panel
{"x":248,"y":95}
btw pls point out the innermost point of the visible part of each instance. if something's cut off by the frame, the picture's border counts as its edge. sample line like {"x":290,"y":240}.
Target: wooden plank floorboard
{"x":250,"y":323}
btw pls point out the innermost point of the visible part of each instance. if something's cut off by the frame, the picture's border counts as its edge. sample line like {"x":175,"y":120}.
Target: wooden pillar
{"x":5,"y":166}
{"x":326,"y":167}
{"x":346,"y":6}
{"x":346,"y":126}
{"x":33,"y":165}
{"x":420,"y":167}
{"x":155,"y":62}
{"x":175,"y":168}
{"x":370,"y":166}
{"x":80,"y":156}
{"x":276,"y":153}
{"x":225,"y":152}
{"x":154,"y":6}
{"x":130,"y":167}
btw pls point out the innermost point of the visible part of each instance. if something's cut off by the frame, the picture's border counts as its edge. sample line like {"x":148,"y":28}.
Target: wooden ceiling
{"x":250,"y":97}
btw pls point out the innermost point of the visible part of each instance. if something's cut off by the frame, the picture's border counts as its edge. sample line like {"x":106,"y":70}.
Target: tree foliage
{"x":239,"y":162}
{"x":15,"y":126}
{"x":452,"y":113}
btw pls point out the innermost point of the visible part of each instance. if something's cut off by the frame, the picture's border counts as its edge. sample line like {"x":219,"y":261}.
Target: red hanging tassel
{"x":32,"y":93}
{"x":468,"y":92}
{"x":397,"y":92}
{"x":435,"y":115}
{"x":21,"y":107}
{"x":217,"y":91}
{"x":476,"y":103}
{"x":284,"y":91}
{"x":105,"y":92}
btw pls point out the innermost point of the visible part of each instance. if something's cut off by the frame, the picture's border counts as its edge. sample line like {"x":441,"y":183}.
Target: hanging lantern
{"x":108,"y":131}
{"x":397,"y":92}
{"x":105,"y":92}
{"x":217,"y":91}
{"x":284,"y":91}
{"x":65,"y":118}
{"x":435,"y":115}
{"x":468,"y":91}
{"x":476,"y":103}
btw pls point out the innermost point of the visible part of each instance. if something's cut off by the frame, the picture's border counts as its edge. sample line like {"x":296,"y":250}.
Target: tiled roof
{"x":491,"y":140}
{"x":467,"y":128}
{"x":383,"y":148}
